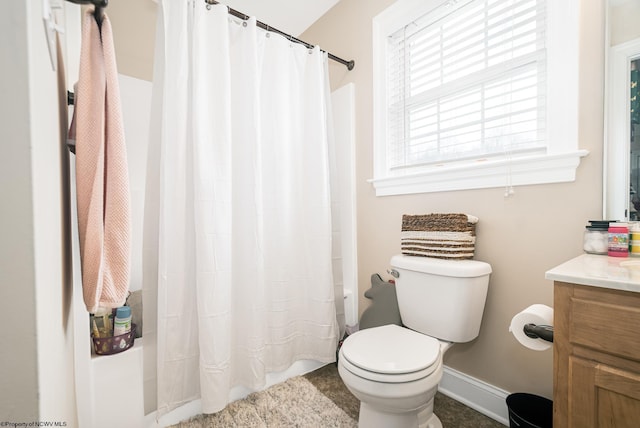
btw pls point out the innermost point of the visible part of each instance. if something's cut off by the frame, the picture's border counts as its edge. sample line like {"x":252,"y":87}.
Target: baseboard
{"x":474,"y":393}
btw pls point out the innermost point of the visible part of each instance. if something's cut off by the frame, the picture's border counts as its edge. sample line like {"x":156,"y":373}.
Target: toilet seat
{"x":391,"y":354}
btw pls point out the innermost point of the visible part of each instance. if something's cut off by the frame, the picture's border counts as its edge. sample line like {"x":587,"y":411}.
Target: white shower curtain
{"x":240,"y":152}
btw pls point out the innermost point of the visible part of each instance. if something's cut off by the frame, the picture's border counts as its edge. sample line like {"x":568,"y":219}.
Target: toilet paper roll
{"x":535,"y":314}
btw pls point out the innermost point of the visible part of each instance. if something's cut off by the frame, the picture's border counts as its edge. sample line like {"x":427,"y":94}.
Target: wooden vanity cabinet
{"x":596,"y":357}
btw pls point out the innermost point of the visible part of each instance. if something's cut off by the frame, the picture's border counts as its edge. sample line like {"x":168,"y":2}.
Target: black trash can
{"x":529,"y":411}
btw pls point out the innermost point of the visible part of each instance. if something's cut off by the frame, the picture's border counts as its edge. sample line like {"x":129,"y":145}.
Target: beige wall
{"x":521,"y":236}
{"x":623,"y":18}
{"x":134,"y":30}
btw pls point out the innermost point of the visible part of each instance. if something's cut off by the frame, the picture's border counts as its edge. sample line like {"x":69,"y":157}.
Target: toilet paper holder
{"x":544,"y":332}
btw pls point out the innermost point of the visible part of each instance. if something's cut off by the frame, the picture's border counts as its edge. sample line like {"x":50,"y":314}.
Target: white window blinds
{"x":466,"y":81}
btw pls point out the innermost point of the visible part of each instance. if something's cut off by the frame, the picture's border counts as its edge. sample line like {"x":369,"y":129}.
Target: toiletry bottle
{"x":618,"y":240}
{"x":122,"y":321}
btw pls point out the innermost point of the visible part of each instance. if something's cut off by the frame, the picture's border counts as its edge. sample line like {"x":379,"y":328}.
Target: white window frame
{"x":562,"y":156}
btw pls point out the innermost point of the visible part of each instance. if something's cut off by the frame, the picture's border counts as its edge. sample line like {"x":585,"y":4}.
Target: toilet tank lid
{"x":456,"y":268}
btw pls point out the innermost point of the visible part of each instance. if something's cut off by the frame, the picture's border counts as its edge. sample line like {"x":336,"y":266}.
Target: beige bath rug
{"x":294,"y":403}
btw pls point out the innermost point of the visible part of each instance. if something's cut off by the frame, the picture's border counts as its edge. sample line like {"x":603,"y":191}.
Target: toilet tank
{"x":441,"y":298}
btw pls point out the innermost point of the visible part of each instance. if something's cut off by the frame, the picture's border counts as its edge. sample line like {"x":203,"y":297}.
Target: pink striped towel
{"x":102,"y":178}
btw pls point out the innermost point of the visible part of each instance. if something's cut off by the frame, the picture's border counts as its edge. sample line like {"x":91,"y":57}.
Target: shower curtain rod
{"x":101,"y":4}
{"x":348,"y":64}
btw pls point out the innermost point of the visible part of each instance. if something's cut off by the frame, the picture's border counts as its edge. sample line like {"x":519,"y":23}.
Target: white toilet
{"x":394,"y":371}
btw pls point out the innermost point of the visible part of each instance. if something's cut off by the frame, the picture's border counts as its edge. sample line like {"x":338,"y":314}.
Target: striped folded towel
{"x":443,"y":236}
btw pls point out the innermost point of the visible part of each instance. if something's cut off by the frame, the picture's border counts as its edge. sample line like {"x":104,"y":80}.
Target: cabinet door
{"x":603,"y":396}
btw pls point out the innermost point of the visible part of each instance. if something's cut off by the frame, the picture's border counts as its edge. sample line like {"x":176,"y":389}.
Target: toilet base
{"x":433,"y":422}
{"x":420,"y":418}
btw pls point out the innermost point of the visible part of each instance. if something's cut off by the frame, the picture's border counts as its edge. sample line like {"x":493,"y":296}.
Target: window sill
{"x":539,"y":169}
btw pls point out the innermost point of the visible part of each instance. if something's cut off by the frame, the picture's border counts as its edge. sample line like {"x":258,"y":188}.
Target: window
{"x":464,"y":94}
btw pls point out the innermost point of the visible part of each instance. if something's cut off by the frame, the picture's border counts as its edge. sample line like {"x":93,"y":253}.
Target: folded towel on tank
{"x":439,"y":235}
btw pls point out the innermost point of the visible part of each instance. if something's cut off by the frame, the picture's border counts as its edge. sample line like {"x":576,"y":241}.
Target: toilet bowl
{"x":394,"y":372}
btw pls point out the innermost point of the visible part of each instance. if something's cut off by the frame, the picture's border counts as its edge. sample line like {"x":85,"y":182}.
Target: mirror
{"x":634,"y":133}
{"x":622,"y":112}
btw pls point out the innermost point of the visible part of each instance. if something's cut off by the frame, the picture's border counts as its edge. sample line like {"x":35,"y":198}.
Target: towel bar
{"x":99,"y":7}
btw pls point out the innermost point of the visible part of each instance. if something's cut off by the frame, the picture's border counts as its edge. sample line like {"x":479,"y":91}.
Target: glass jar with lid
{"x":596,"y":237}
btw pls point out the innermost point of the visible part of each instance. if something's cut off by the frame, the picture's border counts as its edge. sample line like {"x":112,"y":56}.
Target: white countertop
{"x":617,"y":273}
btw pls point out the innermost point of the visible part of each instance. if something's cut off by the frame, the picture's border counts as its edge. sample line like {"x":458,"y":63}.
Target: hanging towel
{"x":102,"y":179}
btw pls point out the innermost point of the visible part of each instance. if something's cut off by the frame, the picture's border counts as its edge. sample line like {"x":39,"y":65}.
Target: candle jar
{"x":618,"y":240}
{"x":596,"y":240}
